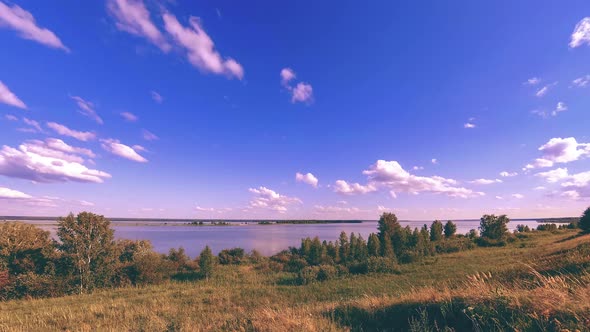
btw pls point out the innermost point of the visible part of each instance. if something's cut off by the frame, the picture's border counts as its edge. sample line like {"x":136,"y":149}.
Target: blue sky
{"x":304,"y":109}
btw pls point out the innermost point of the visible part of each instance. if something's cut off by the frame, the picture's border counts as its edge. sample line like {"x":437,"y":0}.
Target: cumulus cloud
{"x":287,"y":74}
{"x":581,"y":82}
{"x":469,"y":125}
{"x":65,"y":131}
{"x":581,"y":34}
{"x":117,"y":148}
{"x":506,"y":174}
{"x":391,"y":176}
{"x":51,"y":160}
{"x":132,"y":16}
{"x":343,"y":187}
{"x":157,"y":97}
{"x":485,"y":181}
{"x":532,"y":81}
{"x":302,"y":93}
{"x":555,"y":175}
{"x":199,"y":47}
{"x":9,"y":98}
{"x":434,"y":161}
{"x":265,"y":198}
{"x":23,"y":22}
{"x":86,"y":108}
{"x":560,"y":150}
{"x":307,"y":178}
{"x":149,"y":136}
{"x":577,"y":186}
{"x":7,"y":193}
{"x":129,"y":116}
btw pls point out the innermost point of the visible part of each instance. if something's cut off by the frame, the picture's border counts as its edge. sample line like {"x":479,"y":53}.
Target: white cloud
{"x":517,"y":196}
{"x":265,"y":198}
{"x":560,"y":150}
{"x":581,"y":34}
{"x":307,"y":178}
{"x":469,"y":125}
{"x":129,"y":116}
{"x":391,"y":176}
{"x":34,"y":124}
{"x":434,"y":161}
{"x":200,"y":48}
{"x":417,"y":168}
{"x":555,"y":175}
{"x":133,"y":17}
{"x":499,"y":197}
{"x":65,"y":131}
{"x":561,"y":107}
{"x":10,"y":117}
{"x":24,"y":23}
{"x":86,"y":108}
{"x":287,"y":74}
{"x":9,"y":98}
{"x":149,"y":136}
{"x":506,"y":174}
{"x":157,"y":97}
{"x":542,"y":91}
{"x":485,"y":181}
{"x":7,"y":193}
{"x":581,"y":82}
{"x":336,"y":209}
{"x":532,"y":81}
{"x":49,"y":161}
{"x":117,"y":148}
{"x":539,"y":188}
{"x":343,"y":187}
{"x":302,"y":93}
{"x":571,"y":194}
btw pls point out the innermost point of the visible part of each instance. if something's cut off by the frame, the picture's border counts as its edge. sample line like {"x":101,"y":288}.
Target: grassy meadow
{"x":538,"y":282}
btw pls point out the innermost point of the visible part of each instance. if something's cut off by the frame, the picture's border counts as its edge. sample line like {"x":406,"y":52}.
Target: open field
{"x":539,"y":282}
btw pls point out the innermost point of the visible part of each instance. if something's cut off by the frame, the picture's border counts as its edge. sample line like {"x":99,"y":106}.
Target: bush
{"x":487,"y":242}
{"x":523,"y":228}
{"x":454,"y":244}
{"x":381,"y":265}
{"x":326,"y":272}
{"x":584,"y":222}
{"x":308,"y":275}
{"x":231,"y":256}
{"x":494,"y":227}
{"x":295,"y":264}
{"x":547,"y":227}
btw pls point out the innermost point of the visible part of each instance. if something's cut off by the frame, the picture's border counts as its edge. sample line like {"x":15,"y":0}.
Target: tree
{"x":450,"y":229}
{"x":387,"y":248}
{"x":87,"y":241}
{"x":344,"y":247}
{"x":584,"y":223}
{"x":374,"y":245}
{"x":206,"y":262}
{"x":493,"y":227}
{"x":388,"y":225}
{"x":436,"y":231}
{"x":24,"y":248}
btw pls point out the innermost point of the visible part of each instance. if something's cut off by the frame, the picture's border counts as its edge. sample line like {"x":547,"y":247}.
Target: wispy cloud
{"x":532,"y":81}
{"x":581,"y":82}
{"x":545,"y":89}
{"x":10,"y":117}
{"x":51,"y":160}
{"x":23,"y":22}
{"x":307,"y":178}
{"x":560,"y":107}
{"x":133,"y":17}
{"x":129,"y":116}
{"x":34,"y":125}
{"x":86,"y":108}
{"x":199,"y":47}
{"x":157,"y":97}
{"x":581,"y":34}
{"x":117,"y":148}
{"x":507,"y":174}
{"x":65,"y":131}
{"x":485,"y":181}
{"x":9,"y":98}
{"x":149,"y":136}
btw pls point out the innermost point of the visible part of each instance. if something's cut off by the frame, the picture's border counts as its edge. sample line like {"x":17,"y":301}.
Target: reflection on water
{"x":268,"y":239}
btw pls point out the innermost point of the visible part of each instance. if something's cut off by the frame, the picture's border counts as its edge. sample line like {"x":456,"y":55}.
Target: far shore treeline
{"x":86,"y":255}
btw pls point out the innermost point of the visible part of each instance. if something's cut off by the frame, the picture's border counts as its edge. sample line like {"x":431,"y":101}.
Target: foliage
{"x":231,"y":256}
{"x":206,"y":263}
{"x":436,"y":231}
{"x":494,"y":227}
{"x":450,"y":229}
{"x":584,"y":222}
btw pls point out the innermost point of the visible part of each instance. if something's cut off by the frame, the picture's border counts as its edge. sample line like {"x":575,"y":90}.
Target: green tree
{"x":584,"y":223}
{"x":436,"y":231}
{"x":25,"y":248}
{"x":388,"y":225}
{"x":344,"y":247}
{"x":316,"y":252}
{"x":387,"y":248}
{"x":374,"y":245}
{"x":207,"y":262}
{"x":493,"y":227}
{"x":87,"y":241}
{"x":450,"y":229}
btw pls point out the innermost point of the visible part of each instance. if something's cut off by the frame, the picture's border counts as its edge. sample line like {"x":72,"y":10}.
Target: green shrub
{"x":381,"y":265}
{"x":231,"y":256}
{"x":547,"y":227}
{"x":307,"y":275}
{"x":326,"y":272}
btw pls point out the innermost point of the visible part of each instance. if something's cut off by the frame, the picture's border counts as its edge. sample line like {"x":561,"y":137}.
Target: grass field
{"x":536,"y":283}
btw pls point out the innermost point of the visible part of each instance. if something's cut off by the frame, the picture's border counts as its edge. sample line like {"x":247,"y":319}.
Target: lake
{"x":267,"y":239}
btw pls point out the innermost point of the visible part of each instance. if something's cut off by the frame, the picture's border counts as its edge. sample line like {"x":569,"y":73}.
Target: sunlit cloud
{"x":7,"y":193}
{"x":129,"y":116}
{"x":307,"y":178}
{"x":532,"y":81}
{"x":581,"y":82}
{"x":506,"y":174}
{"x":23,"y":22}
{"x":149,"y":136}
{"x":560,"y":150}
{"x":86,"y":108}
{"x":485,"y":181}
{"x":287,"y":74}
{"x":157,"y":97}
{"x":65,"y":131}
{"x":117,"y":148}
{"x":268,"y":199}
{"x":9,"y":98}
{"x":581,"y":34}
